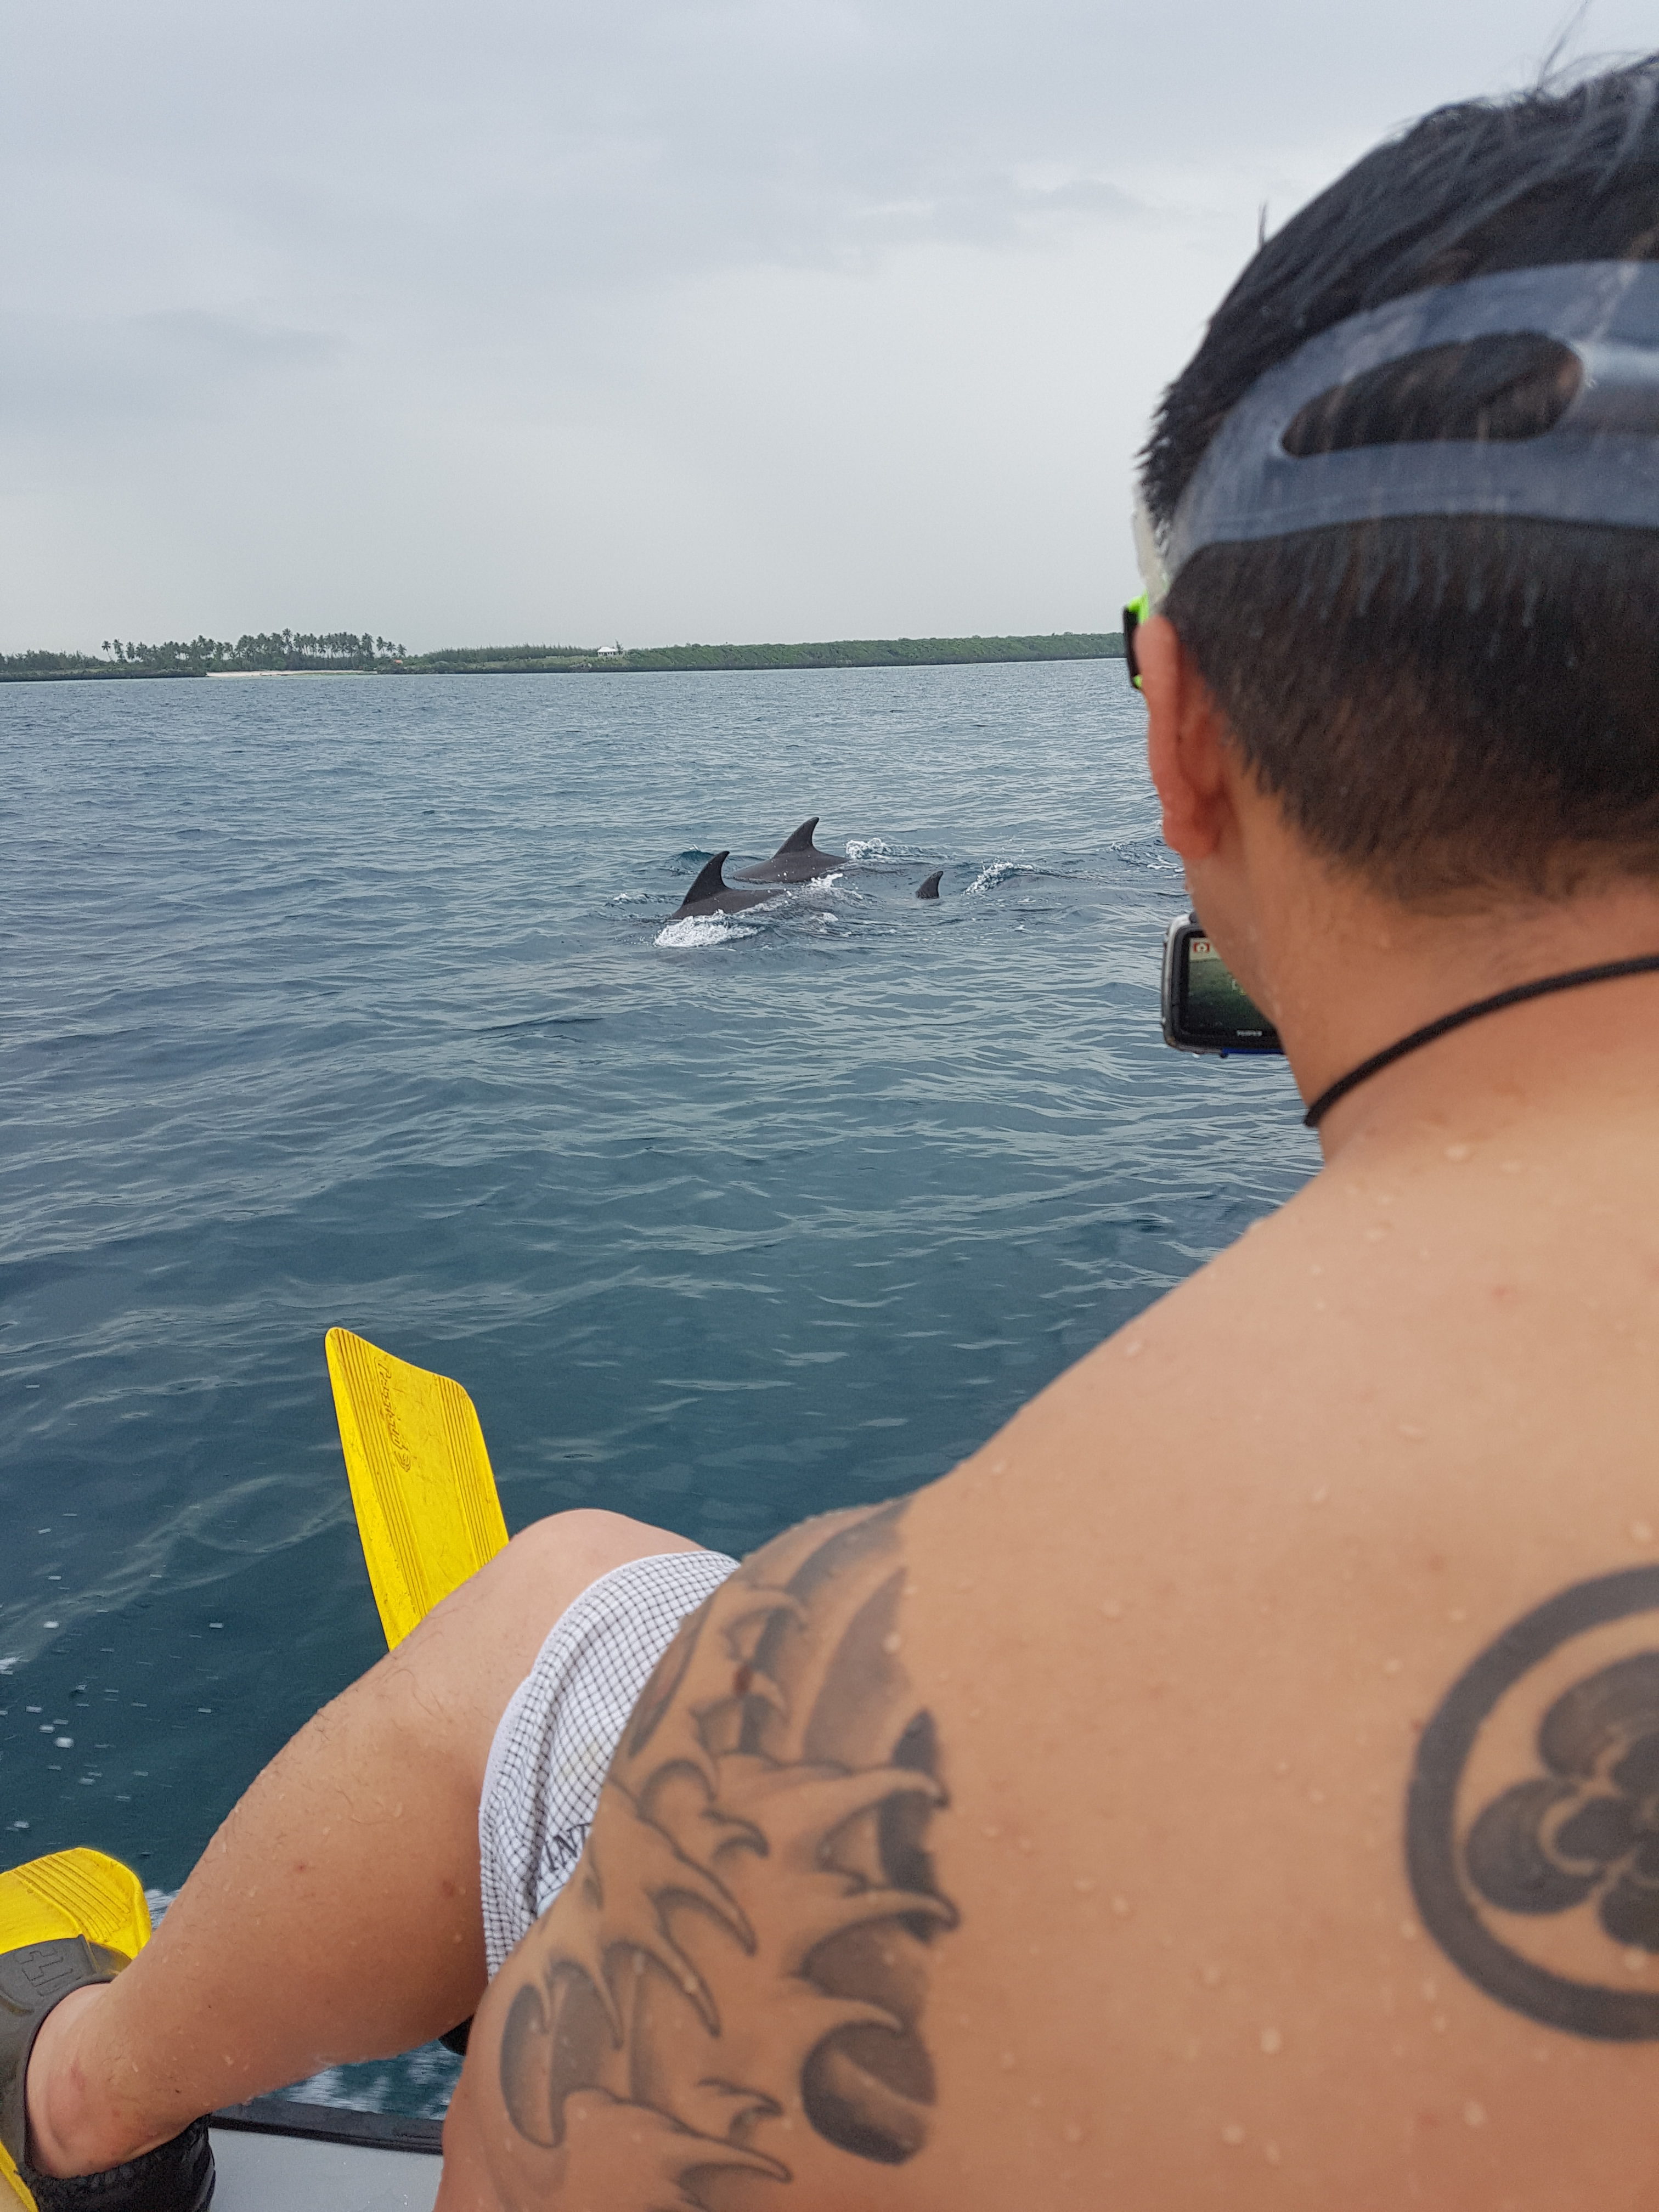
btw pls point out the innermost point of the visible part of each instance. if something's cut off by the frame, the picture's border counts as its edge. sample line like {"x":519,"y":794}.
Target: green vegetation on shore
{"x":296,"y":652}
{"x":208,"y":656}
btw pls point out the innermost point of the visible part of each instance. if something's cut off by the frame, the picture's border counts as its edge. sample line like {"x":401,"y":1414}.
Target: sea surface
{"x":350,"y":1000}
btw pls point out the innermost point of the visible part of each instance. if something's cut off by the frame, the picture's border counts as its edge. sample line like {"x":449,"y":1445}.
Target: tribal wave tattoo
{"x":739,"y":1966}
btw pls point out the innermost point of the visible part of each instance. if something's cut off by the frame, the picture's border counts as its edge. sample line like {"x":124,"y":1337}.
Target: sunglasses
{"x":1134,"y":615}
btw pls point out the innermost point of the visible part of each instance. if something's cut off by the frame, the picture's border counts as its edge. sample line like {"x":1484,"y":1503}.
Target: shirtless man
{"x":1239,"y":1781}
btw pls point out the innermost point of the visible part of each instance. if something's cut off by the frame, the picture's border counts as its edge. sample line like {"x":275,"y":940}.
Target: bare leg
{"x":336,"y":1914}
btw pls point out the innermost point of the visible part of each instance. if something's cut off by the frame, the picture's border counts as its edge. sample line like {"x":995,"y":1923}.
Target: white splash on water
{"x":990,"y":878}
{"x":837,"y":884}
{"x":699,"y":929}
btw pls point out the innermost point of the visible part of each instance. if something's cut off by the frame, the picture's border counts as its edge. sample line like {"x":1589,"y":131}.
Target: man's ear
{"x":1185,"y":742}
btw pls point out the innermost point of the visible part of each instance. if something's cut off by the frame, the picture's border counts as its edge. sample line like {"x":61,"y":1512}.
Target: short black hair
{"x":1453,"y":705}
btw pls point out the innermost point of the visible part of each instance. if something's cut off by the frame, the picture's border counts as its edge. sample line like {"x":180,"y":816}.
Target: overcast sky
{"x":647,"y":319}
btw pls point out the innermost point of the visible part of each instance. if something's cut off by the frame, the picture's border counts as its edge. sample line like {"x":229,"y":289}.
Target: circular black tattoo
{"x":1578,"y":1836}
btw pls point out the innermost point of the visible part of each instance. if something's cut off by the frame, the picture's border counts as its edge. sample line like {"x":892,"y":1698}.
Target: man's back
{"x":1222,"y":1578}
{"x":1054,"y":1835}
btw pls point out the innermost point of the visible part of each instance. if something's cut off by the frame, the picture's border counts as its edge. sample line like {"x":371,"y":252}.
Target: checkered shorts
{"x":554,"y":1741}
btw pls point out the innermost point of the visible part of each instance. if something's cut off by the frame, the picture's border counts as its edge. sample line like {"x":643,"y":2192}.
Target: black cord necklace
{"x":1643,"y":963}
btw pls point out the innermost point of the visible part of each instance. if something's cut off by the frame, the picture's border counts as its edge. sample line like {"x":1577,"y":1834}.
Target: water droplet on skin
{"x":1271,"y":2042}
{"x":1457,"y":1613}
{"x":1133,"y":1349}
{"x":1510,"y":1167}
{"x":1083,"y":1884}
{"x":1315,"y":1269}
{"x":1430,"y":1989}
{"x":1391,"y":1666}
{"x":1474,"y":2115}
{"x":1410,"y":1431}
{"x":1641,"y":1532}
{"x":1072,"y":2133}
{"x":1637,"y":1962}
{"x":992,"y":1832}
{"x":1112,"y":1610}
{"x":1025,"y":1843}
{"x":1320,"y":1496}
{"x":1375,"y":1235}
{"x":1233,"y":2135}
{"x":1006,"y":2062}
{"x":1120,"y":1906}
{"x":1409,"y":1930}
{"x":1315,"y":1796}
{"x":891,"y":1642}
{"x":1438,"y":2023}
{"x":1211,"y":1977}
{"x":998,"y":1467}
{"x":1459,"y":1151}
{"x":1270,"y":2152}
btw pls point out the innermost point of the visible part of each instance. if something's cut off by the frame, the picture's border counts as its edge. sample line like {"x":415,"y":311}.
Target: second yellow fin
{"x":78,"y":1892}
{"x":421,"y":1481}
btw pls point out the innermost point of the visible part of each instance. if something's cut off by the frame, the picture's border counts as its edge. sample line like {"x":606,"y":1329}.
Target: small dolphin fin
{"x":799,"y":840}
{"x":930,"y":889}
{"x":711,"y":882}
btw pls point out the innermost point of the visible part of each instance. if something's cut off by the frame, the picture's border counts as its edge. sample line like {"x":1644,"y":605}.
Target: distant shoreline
{"x":272,"y":655}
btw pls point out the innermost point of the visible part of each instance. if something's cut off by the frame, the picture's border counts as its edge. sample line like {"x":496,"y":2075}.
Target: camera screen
{"x":1215,"y":1006}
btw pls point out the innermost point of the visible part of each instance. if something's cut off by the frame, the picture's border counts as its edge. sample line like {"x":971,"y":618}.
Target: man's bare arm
{"x":734,"y":1983}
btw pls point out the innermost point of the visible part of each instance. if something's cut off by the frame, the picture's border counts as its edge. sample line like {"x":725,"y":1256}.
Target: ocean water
{"x":331,"y":1000}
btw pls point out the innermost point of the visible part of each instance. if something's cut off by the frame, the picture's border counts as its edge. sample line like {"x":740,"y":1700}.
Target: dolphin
{"x":930,"y":889}
{"x":712,"y":894}
{"x":797,"y":860}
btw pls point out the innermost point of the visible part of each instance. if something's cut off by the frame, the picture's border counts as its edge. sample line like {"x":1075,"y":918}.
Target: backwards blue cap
{"x":1598,"y":463}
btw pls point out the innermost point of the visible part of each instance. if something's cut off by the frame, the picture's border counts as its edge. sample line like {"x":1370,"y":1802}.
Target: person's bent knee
{"x":589,"y":1541}
{"x":548,"y":1566}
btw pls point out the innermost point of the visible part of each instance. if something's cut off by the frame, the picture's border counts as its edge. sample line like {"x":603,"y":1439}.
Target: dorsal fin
{"x":929,"y":888}
{"x":710,"y":881}
{"x":799,"y":840}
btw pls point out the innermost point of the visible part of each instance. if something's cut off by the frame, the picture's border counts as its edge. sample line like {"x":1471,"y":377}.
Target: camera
{"x":1206,"y":1009}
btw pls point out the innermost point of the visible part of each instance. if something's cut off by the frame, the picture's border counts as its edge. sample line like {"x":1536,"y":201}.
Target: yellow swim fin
{"x":78,"y":1892}
{"x":420,"y":1481}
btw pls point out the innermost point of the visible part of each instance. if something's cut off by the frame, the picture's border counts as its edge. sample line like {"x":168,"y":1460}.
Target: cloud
{"x":177,"y":364}
{"x":667,"y":317}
